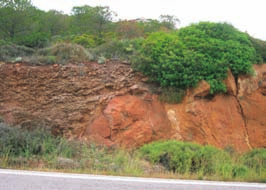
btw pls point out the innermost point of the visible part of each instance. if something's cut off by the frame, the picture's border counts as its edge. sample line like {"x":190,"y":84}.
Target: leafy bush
{"x":209,"y":160}
{"x":20,"y":147}
{"x":203,"y":51}
{"x":33,"y":40}
{"x":183,"y":157}
{"x":19,"y":142}
{"x":85,"y":40}
{"x":175,"y":156}
{"x":239,"y":171}
{"x":255,"y":159}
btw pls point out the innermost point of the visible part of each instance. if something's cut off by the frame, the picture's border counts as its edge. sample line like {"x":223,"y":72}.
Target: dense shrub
{"x":18,"y":142}
{"x":203,"y":51}
{"x":255,"y":159}
{"x":86,"y":40}
{"x":209,"y":160}
{"x":33,"y":40}
{"x":183,"y":157}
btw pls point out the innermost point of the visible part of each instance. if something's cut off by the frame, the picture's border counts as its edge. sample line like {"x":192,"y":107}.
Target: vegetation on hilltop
{"x":176,"y":59}
{"x":24,"y":24}
{"x":203,"y":51}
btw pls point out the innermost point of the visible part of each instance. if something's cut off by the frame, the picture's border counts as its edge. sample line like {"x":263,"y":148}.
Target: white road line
{"x":131,"y":179}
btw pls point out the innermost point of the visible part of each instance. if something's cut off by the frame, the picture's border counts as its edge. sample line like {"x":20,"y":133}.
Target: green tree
{"x":18,"y":5}
{"x":92,"y":20}
{"x":55,"y":22}
{"x":14,"y":17}
{"x":20,"y":23}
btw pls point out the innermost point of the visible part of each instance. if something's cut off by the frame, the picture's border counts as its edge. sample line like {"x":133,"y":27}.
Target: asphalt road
{"x":31,"y":180}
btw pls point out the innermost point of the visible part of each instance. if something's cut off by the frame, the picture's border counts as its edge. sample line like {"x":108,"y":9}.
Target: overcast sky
{"x":246,"y":15}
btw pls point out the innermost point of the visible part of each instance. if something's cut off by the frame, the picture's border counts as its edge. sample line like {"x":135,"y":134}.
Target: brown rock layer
{"x":131,"y":121}
{"x":112,"y":104}
{"x":252,"y":98}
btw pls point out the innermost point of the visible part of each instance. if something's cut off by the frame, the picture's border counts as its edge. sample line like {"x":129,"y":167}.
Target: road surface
{"x":32,"y":180}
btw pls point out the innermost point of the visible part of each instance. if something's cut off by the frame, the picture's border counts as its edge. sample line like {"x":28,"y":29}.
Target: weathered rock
{"x":110,"y":104}
{"x":253,"y":103}
{"x":131,"y":122}
{"x":230,"y":84}
{"x":70,"y":96}
{"x":215,"y":122}
{"x":202,"y":90}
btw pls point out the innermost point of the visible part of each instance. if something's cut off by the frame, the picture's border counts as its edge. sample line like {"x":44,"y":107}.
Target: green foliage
{"x":239,"y":171}
{"x":21,"y":24}
{"x":255,"y":159}
{"x":260,"y":47}
{"x":209,"y":160}
{"x":20,"y":148}
{"x":187,"y":158}
{"x":17,"y":5}
{"x":183,"y":157}
{"x":93,"y":20}
{"x":19,"y":142}
{"x":203,"y":51}
{"x":85,"y":40}
{"x":38,"y":40}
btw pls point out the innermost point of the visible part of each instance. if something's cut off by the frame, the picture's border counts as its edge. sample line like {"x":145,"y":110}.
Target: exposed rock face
{"x":68,"y":98}
{"x":104,"y":103}
{"x":252,"y":98}
{"x":113,"y":105}
{"x":235,"y":119}
{"x":216,"y":121}
{"x":131,"y":121}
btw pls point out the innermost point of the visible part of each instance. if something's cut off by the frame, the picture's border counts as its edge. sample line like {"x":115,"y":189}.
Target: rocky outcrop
{"x":67,"y":98}
{"x":113,"y":105}
{"x":104,"y":103}
{"x":235,"y":119}
{"x":252,"y":98}
{"x":131,"y":122}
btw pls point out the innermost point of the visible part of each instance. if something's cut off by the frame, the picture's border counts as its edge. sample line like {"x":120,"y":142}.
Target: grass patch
{"x":38,"y":149}
{"x":206,"y":162}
